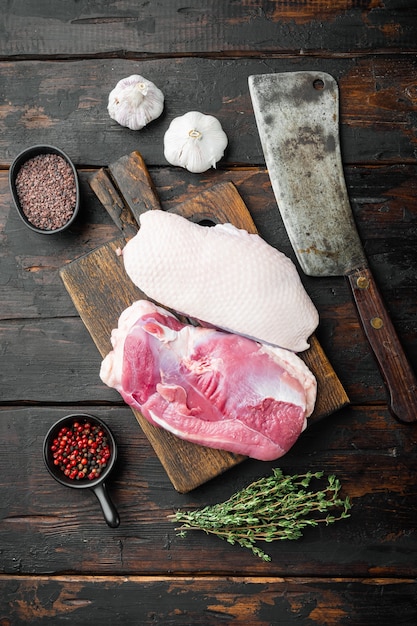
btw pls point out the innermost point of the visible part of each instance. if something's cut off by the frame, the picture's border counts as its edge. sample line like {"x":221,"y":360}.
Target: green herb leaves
{"x":271,"y":508}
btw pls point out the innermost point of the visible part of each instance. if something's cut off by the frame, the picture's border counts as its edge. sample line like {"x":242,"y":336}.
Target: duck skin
{"x":222,"y":276}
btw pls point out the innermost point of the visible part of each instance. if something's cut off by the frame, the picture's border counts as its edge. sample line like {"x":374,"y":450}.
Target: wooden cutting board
{"x":101,"y":290}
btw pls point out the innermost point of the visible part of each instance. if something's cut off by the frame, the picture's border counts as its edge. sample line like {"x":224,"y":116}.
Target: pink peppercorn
{"x":73,"y":453}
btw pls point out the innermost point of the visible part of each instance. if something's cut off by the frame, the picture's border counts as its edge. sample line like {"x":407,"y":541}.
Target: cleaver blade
{"x":297,"y":115}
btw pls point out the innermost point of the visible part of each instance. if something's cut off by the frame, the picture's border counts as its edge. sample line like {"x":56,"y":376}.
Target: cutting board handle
{"x":126,"y":190}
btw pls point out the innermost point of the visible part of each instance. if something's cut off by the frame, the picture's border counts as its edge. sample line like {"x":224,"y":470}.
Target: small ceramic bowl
{"x":35,"y":205}
{"x":97,"y":485}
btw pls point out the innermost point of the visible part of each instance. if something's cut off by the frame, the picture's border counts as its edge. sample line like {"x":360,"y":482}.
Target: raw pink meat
{"x":207,"y":386}
{"x":223,"y":276}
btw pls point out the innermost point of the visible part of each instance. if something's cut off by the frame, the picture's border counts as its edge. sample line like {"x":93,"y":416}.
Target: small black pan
{"x":97,"y":485}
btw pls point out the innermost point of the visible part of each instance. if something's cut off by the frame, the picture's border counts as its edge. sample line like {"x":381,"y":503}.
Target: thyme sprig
{"x":273,"y":508}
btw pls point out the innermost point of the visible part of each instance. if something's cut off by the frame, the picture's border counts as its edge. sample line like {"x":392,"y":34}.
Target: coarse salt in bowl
{"x":44,"y":185}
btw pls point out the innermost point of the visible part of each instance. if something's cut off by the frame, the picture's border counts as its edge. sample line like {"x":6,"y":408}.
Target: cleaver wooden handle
{"x":392,"y":361}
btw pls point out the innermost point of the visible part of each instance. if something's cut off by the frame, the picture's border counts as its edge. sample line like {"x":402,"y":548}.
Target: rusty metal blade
{"x":297,"y":114}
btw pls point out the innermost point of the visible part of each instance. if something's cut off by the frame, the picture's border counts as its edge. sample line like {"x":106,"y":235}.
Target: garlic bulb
{"x":135,"y":101}
{"x":194,"y":141}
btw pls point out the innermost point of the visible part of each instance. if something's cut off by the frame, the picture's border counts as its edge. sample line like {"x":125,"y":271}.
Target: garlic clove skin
{"x":195,"y":141}
{"x":135,"y":101}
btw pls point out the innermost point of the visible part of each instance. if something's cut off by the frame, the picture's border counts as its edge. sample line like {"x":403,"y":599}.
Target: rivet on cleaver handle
{"x":297,"y":114}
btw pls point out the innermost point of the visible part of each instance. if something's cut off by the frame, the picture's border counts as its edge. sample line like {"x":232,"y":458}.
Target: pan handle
{"x":380,"y":332}
{"x":109,"y":511}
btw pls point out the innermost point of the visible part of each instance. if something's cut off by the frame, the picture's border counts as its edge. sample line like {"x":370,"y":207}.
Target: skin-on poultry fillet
{"x":207,"y":386}
{"x":222,"y":276}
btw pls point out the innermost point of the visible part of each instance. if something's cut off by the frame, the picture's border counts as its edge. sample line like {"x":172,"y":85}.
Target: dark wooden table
{"x":59,"y":562}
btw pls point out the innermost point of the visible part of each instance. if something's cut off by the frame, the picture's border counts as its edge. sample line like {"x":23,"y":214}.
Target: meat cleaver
{"x":297,"y":114}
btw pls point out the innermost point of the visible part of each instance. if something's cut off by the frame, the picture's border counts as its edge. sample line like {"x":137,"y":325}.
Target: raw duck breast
{"x":207,"y":386}
{"x":222,"y":276}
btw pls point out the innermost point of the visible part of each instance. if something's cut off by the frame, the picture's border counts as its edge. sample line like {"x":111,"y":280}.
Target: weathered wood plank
{"x":383,"y":198}
{"x":46,"y":528}
{"x":208,"y":601}
{"x":384,"y":201}
{"x":34,"y":350}
{"x":210,"y":27}
{"x":68,"y":105}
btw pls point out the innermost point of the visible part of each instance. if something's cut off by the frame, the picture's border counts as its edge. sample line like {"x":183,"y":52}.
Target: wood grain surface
{"x":59,"y":562}
{"x":377,"y":111}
